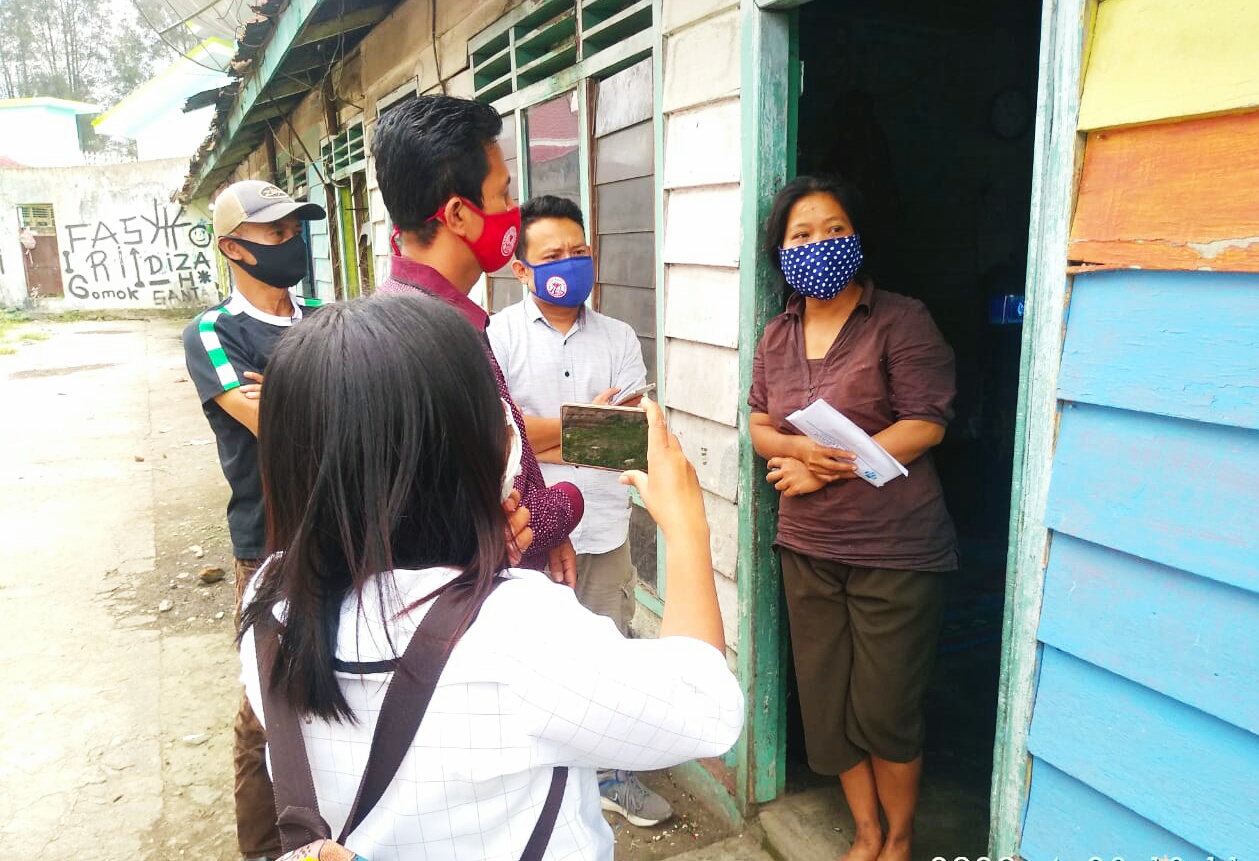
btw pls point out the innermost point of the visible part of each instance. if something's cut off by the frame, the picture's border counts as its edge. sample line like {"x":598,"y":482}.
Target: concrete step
{"x":744,"y":847}
{"x":814,"y":825}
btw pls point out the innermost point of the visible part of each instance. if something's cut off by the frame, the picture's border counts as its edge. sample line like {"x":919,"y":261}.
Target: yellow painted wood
{"x":1154,"y":60}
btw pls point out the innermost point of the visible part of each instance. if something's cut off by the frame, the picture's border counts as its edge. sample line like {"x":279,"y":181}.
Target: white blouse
{"x":537,"y":681}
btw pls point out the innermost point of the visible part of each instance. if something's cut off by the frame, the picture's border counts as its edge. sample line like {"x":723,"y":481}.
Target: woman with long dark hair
{"x":861,"y":564}
{"x":384,"y":454}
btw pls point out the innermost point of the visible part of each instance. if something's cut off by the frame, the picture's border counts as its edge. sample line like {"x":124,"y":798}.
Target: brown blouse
{"x":888,"y":363}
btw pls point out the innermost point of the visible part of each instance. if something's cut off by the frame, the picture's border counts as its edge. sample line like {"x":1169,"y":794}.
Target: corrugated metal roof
{"x":274,"y":76}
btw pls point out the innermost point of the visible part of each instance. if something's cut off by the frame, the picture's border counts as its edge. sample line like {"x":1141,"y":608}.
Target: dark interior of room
{"x":930,"y":108}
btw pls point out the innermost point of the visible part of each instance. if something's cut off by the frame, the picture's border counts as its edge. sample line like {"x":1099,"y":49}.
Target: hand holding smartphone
{"x":634,"y":393}
{"x":603,"y":436}
{"x":673,"y":498}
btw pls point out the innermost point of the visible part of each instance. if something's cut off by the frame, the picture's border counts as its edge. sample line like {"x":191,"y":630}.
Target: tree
{"x":86,"y":50}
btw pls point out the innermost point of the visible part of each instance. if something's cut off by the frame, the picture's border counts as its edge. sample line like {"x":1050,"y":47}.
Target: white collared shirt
{"x":538,"y":681}
{"x":545,"y":368}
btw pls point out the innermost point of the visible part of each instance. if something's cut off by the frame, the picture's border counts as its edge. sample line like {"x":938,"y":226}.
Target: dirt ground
{"x":120,"y":667}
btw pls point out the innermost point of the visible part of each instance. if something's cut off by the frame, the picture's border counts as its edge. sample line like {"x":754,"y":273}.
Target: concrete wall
{"x":122,"y":243}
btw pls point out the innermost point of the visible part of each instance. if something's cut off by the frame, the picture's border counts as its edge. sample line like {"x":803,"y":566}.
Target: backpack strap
{"x":541,"y":835}
{"x":295,"y":802}
{"x":406,"y":700}
{"x":410,"y":691}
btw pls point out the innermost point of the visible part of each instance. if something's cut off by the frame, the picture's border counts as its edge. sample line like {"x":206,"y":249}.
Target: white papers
{"x":827,"y":426}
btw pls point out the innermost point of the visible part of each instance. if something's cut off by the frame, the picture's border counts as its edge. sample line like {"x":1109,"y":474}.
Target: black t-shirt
{"x":220,"y":345}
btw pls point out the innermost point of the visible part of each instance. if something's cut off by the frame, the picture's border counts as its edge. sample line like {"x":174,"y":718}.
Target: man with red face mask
{"x":444,"y":181}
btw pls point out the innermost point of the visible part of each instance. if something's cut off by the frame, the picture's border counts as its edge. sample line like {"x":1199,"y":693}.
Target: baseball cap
{"x":258,"y":202}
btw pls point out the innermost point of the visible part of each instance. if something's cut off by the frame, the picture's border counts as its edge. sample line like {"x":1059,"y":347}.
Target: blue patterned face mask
{"x":564,"y":282}
{"x":820,"y":270}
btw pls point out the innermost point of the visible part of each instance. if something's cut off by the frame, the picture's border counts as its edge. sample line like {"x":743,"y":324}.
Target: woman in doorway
{"x":861,"y":564}
{"x":387,"y":456}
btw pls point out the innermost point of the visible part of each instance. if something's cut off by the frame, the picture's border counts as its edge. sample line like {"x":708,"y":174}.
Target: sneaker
{"x":625,"y":794}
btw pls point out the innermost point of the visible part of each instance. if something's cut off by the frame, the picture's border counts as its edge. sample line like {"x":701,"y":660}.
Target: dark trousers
{"x":864,"y":642}
{"x":256,"y":831}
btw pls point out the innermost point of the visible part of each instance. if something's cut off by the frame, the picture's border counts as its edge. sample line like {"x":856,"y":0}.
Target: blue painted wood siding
{"x":1145,"y":730}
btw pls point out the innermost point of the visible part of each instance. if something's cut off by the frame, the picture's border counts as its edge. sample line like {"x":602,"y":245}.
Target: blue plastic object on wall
{"x":1006,"y":310}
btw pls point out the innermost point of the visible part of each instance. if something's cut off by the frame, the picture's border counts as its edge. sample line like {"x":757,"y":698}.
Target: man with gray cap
{"x":259,"y":231}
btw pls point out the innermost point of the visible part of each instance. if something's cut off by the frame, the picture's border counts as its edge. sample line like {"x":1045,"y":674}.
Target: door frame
{"x":767,"y":102}
{"x":1059,"y":148}
{"x":769,"y":86}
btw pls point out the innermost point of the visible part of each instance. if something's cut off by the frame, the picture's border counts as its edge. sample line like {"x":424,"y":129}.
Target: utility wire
{"x":167,"y":42}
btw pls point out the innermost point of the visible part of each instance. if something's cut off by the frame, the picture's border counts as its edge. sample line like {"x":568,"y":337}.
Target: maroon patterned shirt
{"x":553,"y":511}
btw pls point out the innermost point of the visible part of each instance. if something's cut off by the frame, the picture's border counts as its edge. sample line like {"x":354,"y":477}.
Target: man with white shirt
{"x":555,"y":350}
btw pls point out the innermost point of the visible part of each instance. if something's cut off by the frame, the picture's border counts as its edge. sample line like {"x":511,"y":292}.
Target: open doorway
{"x":930,"y":108}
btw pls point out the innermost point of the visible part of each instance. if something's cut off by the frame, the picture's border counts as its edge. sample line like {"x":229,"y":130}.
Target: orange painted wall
{"x":1181,"y":195}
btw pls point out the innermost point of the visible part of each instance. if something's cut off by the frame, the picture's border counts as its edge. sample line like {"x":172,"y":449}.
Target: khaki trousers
{"x":864,"y":642}
{"x":605,"y":585}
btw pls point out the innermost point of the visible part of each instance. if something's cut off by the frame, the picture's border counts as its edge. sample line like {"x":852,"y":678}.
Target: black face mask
{"x":280,"y":266}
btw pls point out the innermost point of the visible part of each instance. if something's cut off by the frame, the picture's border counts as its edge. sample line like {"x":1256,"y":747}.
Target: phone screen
{"x":605,"y":437}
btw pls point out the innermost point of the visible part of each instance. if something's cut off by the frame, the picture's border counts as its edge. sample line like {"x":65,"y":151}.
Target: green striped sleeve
{"x":214,"y":349}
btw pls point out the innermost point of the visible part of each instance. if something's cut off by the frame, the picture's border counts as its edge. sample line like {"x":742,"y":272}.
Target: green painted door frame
{"x":768,"y":102}
{"x":1065,"y":26}
{"x":770,"y":92}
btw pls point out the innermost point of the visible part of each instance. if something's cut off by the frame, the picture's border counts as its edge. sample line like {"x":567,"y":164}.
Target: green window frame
{"x":532,"y":56}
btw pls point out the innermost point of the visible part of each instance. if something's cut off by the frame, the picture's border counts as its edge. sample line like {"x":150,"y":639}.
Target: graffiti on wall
{"x":152,"y":257}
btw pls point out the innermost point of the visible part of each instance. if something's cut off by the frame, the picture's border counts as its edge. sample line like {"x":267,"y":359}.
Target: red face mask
{"x":497,"y":242}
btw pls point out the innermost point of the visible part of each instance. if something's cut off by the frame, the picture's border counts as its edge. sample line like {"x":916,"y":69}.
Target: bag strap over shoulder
{"x":541,"y":835}
{"x":295,"y":802}
{"x":411,"y":690}
{"x":406,"y":700}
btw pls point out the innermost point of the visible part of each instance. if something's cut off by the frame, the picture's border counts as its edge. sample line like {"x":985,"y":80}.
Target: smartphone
{"x":604,"y":437}
{"x":630,"y":395}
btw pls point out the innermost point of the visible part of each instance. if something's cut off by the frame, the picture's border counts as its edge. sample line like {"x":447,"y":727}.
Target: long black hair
{"x":845,"y":193}
{"x":382,"y":445}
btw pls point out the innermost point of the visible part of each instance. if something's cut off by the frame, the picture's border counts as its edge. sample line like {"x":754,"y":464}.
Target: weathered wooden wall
{"x":1145,"y":728}
{"x":1176,"y":195}
{"x":700,"y":250}
{"x":1154,"y":60}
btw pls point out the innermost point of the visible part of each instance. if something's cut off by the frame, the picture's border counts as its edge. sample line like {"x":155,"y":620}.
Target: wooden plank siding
{"x":1174,"y":492}
{"x":320,"y":241}
{"x":1171,"y":196}
{"x":1171,"y":764}
{"x":1132,"y":344}
{"x":1145,"y":731}
{"x":1067,"y":819}
{"x":699,"y":248}
{"x":1155,"y":60}
{"x":1145,"y":726}
{"x":1184,"y":636}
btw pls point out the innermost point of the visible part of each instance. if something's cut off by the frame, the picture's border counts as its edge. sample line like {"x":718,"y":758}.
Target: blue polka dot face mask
{"x":820,"y":270}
